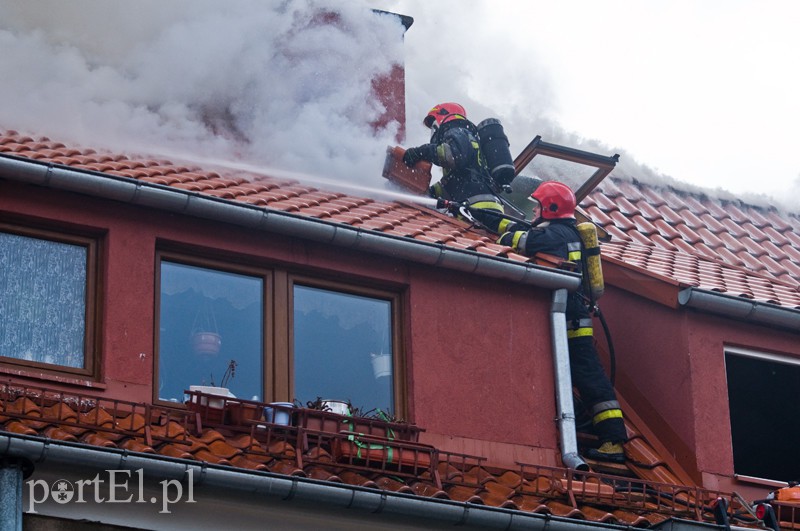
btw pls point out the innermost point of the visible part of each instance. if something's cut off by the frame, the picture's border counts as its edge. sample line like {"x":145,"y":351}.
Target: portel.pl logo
{"x":121,"y":486}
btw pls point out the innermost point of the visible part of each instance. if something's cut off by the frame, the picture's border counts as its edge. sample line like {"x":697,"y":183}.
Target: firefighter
{"x":554,"y":232}
{"x":455,"y":147}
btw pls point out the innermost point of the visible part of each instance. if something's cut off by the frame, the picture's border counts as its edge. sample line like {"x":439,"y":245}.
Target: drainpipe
{"x":564,"y":405}
{"x":13,"y":471}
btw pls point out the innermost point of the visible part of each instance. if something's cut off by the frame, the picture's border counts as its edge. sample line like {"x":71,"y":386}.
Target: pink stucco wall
{"x":670,"y":364}
{"x":479,"y":361}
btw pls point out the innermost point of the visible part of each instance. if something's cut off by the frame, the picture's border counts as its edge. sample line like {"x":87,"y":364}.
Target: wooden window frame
{"x":92,"y":311}
{"x":278,"y":310}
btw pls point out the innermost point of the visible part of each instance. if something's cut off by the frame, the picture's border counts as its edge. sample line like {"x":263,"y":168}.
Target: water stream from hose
{"x":277,"y":173}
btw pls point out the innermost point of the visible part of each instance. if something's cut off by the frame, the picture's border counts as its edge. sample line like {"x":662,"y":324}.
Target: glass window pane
{"x":42,"y":300}
{"x":207,"y":319}
{"x":764,"y":410}
{"x":343,"y":348}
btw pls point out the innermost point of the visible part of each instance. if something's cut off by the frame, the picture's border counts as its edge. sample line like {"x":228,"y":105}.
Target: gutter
{"x":565,"y":407}
{"x":739,"y":308}
{"x":175,"y":200}
{"x":289,"y":489}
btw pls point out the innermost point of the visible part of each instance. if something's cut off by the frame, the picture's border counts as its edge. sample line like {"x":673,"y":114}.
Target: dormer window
{"x":764,"y":409}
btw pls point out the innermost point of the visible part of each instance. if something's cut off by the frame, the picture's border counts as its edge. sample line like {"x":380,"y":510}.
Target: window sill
{"x":74,"y":380}
{"x":760,"y":481}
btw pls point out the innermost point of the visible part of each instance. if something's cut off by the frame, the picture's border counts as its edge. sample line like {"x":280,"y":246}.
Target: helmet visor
{"x":429,"y":121}
{"x":536,"y":209}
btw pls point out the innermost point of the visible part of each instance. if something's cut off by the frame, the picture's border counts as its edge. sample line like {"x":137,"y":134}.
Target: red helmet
{"x":556,"y":199}
{"x":444,"y":112}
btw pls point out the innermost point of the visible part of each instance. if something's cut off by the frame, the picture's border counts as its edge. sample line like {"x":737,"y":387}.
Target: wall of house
{"x":670,"y":365}
{"x":479,"y":361}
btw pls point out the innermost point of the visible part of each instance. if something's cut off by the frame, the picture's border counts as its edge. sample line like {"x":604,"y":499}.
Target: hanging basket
{"x":206,"y":343}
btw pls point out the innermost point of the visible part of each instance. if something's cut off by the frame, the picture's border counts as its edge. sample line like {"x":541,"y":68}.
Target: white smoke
{"x":264,"y":82}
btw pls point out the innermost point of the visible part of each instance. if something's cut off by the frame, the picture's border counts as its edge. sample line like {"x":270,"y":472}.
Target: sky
{"x":698,"y":94}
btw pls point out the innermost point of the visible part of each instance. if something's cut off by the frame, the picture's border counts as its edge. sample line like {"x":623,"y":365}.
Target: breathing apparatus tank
{"x":594,"y":268}
{"x":495,"y":148}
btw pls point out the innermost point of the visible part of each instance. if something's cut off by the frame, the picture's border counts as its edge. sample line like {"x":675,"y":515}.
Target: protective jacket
{"x":560,"y":237}
{"x":455,"y":147}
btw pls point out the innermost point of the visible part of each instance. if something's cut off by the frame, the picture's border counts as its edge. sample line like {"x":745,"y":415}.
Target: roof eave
{"x":359,"y":501}
{"x":195,"y":204}
{"x":739,"y":308}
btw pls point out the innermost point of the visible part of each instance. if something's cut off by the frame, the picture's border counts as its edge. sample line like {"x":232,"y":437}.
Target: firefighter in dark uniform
{"x":554,"y":232}
{"x":455,"y":147}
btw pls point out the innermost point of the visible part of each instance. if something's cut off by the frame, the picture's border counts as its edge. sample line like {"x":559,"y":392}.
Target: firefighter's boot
{"x":608,"y":451}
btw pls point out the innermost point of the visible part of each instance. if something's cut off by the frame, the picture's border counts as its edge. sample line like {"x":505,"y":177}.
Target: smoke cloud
{"x":272,"y":83}
{"x":275,"y":85}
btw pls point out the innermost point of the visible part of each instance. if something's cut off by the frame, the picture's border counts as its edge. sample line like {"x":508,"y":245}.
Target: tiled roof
{"x":302,"y":450}
{"x":390,"y":217}
{"x":714,"y":244}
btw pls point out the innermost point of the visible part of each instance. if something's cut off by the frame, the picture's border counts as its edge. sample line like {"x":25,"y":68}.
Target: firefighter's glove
{"x":512,"y":239}
{"x":436,"y":190}
{"x":416,"y":154}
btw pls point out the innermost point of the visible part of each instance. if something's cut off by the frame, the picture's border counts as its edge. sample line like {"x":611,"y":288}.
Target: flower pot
{"x":279,"y":414}
{"x":337,"y":406}
{"x":383,"y":454}
{"x":240,"y":413}
{"x":381,"y":365}
{"x":206,"y":343}
{"x":210,"y":402}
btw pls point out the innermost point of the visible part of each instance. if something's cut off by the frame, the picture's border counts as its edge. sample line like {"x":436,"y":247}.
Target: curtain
{"x":42,"y":300}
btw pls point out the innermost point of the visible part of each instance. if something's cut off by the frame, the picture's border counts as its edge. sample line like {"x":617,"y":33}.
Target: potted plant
{"x":335,"y":416}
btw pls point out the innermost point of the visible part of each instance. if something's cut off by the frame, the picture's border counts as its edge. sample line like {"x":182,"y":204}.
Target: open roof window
{"x":580,"y":170}
{"x":762,"y":393}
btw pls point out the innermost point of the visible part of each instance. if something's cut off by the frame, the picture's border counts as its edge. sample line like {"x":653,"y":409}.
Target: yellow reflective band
{"x":515,"y":239}
{"x":488,"y":205}
{"x":574,"y":256}
{"x":501,"y":228}
{"x":607,"y":414}
{"x":580,"y":332}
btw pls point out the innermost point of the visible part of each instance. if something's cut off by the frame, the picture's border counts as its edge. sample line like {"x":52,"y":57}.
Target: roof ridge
{"x":618,"y":184}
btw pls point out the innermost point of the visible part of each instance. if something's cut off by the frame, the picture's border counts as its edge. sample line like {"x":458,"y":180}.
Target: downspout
{"x":13,"y":471}
{"x":362,"y":501}
{"x":564,"y":404}
{"x":195,"y":204}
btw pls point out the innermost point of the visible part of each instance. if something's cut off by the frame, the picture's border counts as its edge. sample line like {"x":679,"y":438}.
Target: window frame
{"x":395,"y":299}
{"x":193,"y":260}
{"x":92,"y":310}
{"x":278,"y":311}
